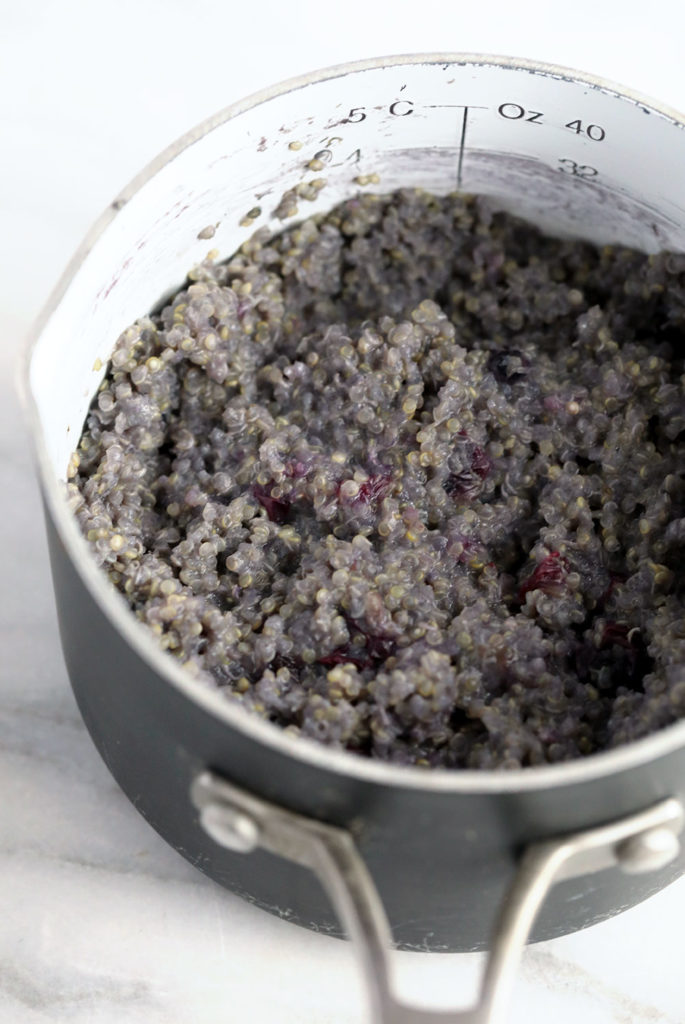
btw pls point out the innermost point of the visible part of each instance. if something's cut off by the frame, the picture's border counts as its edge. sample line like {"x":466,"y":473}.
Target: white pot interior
{"x":576,"y":157}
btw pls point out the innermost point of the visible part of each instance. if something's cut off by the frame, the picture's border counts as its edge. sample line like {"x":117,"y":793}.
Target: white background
{"x":100,"y":922}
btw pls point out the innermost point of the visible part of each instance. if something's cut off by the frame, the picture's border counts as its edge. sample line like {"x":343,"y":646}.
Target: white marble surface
{"x":100,"y":922}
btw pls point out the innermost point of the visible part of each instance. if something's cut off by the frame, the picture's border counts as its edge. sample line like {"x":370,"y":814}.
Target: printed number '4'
{"x":593,"y":131}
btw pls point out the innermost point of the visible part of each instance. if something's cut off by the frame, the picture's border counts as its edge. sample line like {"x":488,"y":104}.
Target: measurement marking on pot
{"x":462,"y":137}
{"x":354,"y":157}
{"x":576,"y":169}
{"x":593,"y":131}
{"x":462,"y":143}
{"x":407,"y":108}
{"x":508,"y":111}
{"x":515,"y":112}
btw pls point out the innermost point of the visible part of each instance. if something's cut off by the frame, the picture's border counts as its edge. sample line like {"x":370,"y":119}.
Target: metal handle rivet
{"x":648,"y":851}
{"x":232,"y":829}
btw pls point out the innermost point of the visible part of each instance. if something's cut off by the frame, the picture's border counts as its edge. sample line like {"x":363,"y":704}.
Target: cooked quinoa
{"x":408,"y":479}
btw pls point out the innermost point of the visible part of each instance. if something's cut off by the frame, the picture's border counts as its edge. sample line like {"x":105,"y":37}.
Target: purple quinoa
{"x":408,"y":479}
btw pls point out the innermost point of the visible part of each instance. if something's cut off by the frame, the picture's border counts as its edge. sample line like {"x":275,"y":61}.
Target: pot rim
{"x":112,"y":604}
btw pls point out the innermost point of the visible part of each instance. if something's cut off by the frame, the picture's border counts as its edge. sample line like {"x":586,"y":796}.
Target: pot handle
{"x":241,"y":822}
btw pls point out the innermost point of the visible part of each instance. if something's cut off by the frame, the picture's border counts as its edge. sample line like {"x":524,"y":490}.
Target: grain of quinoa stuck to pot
{"x":408,"y":479}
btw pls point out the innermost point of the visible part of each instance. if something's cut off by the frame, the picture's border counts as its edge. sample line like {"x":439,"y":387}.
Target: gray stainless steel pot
{"x":258,"y":809}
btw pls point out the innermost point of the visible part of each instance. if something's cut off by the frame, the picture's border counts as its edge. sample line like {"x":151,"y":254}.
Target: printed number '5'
{"x":355,"y":115}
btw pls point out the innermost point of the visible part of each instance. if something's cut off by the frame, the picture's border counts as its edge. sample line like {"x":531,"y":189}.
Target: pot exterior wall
{"x":441,"y":861}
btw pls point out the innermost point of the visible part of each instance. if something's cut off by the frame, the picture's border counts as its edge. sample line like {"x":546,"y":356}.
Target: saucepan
{"x":426,"y":859}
